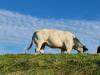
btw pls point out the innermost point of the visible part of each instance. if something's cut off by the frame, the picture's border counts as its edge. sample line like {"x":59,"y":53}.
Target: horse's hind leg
{"x":38,"y":47}
{"x":42,"y":48}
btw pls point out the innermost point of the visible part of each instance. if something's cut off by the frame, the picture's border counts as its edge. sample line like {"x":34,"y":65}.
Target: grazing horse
{"x":64,"y":40}
{"x":98,"y":49}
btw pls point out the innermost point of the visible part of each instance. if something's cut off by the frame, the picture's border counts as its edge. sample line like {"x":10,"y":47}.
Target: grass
{"x":50,"y":64}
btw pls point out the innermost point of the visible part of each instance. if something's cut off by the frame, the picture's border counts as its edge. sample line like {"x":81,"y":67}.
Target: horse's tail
{"x":32,"y":41}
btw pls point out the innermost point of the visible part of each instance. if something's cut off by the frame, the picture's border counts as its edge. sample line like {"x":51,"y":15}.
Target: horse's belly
{"x":55,"y":44}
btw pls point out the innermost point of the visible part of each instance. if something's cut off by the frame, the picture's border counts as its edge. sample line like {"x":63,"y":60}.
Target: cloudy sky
{"x":20,"y":18}
{"x":68,"y":9}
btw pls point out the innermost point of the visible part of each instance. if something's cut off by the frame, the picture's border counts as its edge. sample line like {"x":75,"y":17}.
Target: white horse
{"x":64,"y":40}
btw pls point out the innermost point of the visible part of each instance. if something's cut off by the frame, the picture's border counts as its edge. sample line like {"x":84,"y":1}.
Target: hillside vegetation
{"x":50,"y":64}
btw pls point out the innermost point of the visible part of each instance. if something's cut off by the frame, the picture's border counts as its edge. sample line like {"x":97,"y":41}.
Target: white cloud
{"x":18,"y":28}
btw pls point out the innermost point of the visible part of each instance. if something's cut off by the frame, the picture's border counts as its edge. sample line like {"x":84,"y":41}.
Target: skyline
{"x":20,"y":18}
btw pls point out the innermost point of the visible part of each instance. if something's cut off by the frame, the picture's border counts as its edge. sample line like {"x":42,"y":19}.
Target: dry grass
{"x":50,"y":64}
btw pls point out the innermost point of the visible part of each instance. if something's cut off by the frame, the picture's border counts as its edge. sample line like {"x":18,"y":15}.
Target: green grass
{"x":50,"y":64}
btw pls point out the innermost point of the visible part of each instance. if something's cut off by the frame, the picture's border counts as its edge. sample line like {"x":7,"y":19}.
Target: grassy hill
{"x":50,"y":64}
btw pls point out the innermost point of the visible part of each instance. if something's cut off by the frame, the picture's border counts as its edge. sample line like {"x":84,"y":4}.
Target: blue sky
{"x":69,"y":9}
{"x":20,"y":18}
